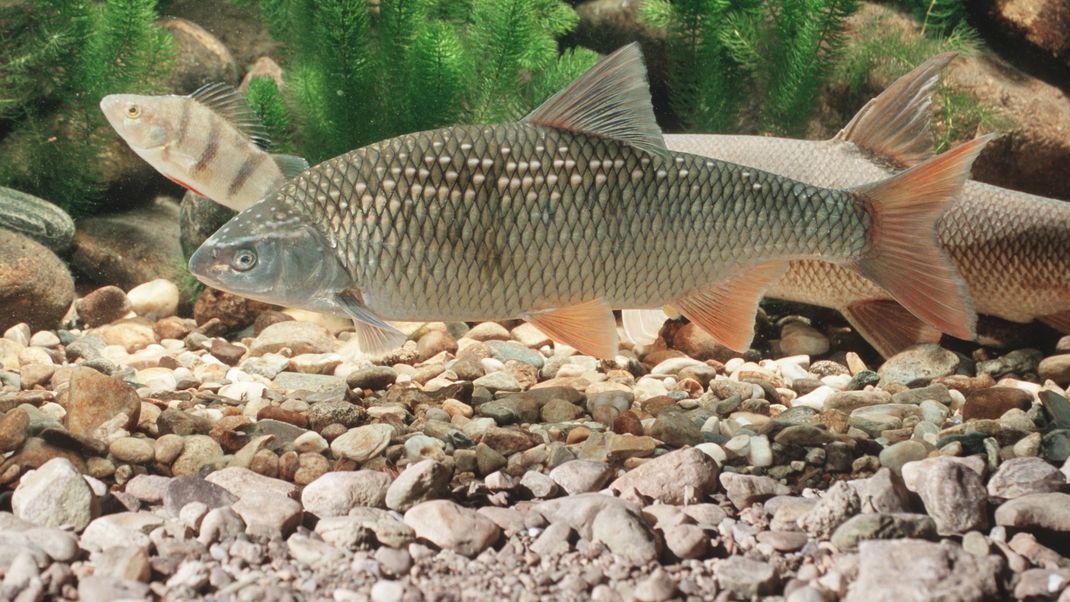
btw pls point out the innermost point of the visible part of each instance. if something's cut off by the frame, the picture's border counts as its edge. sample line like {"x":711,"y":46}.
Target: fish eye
{"x":243,"y":260}
{"x":133,"y":111}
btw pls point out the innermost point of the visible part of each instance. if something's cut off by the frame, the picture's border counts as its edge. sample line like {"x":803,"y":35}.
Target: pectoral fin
{"x":726,"y":310}
{"x":373,"y":334}
{"x":1059,"y":321}
{"x":589,"y":327}
{"x":888,"y":326}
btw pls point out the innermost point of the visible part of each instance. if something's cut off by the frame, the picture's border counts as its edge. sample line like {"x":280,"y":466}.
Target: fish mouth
{"x":202,"y":263}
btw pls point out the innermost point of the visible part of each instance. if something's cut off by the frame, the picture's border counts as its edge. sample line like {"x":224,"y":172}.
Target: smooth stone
{"x":993,"y":402}
{"x":918,"y":364}
{"x":363,"y":442}
{"x":121,"y":529}
{"x":453,"y":527}
{"x":197,"y":451}
{"x":864,"y":527}
{"x":896,"y":455}
{"x":241,"y":481}
{"x":581,"y":476}
{"x":268,"y":514}
{"x":188,"y":489}
{"x":299,"y":337}
{"x":155,"y":299}
{"x":746,"y":577}
{"x":1036,"y":510}
{"x":1023,"y":476}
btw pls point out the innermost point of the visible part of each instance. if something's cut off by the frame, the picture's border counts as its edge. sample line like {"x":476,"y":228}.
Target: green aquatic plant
{"x":762,"y":61}
{"x":356,"y":73}
{"x":938,"y":18}
{"x":57,"y":60}
{"x":267,"y":102}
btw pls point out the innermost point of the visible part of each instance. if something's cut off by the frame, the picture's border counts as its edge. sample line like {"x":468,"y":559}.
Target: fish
{"x":1012,"y":248}
{"x":209,"y":142}
{"x":574,"y":211}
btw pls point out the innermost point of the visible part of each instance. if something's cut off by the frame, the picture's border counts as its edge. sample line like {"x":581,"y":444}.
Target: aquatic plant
{"x":57,"y":59}
{"x":938,"y":17}
{"x":748,"y":60}
{"x":355,"y":75}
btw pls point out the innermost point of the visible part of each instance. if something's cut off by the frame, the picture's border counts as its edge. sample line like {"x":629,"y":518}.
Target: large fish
{"x":575,"y":210}
{"x":1012,"y":248}
{"x":209,"y":142}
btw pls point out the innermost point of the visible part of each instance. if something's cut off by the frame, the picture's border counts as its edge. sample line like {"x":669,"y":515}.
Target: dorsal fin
{"x":896,"y":124}
{"x":230,"y":104}
{"x":290,"y":165}
{"x":612,"y":100}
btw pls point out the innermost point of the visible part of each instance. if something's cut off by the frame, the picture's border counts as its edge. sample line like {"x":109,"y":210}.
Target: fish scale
{"x":653,"y":229}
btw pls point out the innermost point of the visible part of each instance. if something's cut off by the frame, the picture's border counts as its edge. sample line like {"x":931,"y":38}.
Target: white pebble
{"x":156,"y":299}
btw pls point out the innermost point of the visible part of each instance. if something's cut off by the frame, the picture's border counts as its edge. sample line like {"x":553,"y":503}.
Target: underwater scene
{"x":465,"y":300}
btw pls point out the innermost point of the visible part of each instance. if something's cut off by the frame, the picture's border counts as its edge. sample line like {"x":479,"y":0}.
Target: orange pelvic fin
{"x":726,"y":309}
{"x":904,"y":257}
{"x":888,"y":326}
{"x":589,"y":327}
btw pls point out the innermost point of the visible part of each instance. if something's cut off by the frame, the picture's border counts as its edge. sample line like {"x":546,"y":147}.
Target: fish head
{"x":269,"y":253}
{"x":143,"y":121}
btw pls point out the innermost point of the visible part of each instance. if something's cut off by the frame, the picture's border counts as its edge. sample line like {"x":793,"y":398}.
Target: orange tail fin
{"x":905,"y":258}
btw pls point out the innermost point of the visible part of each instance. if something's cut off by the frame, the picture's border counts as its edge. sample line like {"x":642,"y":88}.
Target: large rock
{"x":36,"y":218}
{"x":1043,"y":23}
{"x":954,"y":494}
{"x":913,"y":569}
{"x":54,"y":495}
{"x":241,"y":30}
{"x":198,"y":219}
{"x":200,"y":57}
{"x":336,"y":493}
{"x":1036,"y":510}
{"x":616,"y":523}
{"x":680,"y":477}
{"x":35,"y":285}
{"x":918,"y":364}
{"x":93,"y":399}
{"x":131,"y":247}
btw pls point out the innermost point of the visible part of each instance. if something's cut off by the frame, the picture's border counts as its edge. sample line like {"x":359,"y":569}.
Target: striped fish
{"x":209,"y":142}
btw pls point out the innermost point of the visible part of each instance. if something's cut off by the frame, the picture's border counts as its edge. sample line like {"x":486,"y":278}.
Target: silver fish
{"x":574,"y":211}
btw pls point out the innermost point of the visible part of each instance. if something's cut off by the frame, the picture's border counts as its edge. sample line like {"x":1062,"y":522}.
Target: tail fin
{"x":905,"y":258}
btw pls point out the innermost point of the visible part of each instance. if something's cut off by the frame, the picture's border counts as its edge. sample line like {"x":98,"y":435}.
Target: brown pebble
{"x":13,"y":429}
{"x":103,"y":306}
{"x":311,"y":466}
{"x":333,"y":431}
{"x":993,"y":402}
{"x":289,"y":462}
{"x":578,"y":435}
{"x":269,"y":317}
{"x":655,"y":405}
{"x":628,"y":422}
{"x":277,"y":413}
{"x":168,"y":448}
{"x":174,"y":327}
{"x":265,"y":462}
{"x":228,"y":432}
{"x":228,"y":353}
{"x":233,"y":311}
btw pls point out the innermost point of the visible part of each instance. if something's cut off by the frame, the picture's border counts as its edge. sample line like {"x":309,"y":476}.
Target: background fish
{"x":209,"y":142}
{"x":574,"y":211}
{"x":1012,"y":248}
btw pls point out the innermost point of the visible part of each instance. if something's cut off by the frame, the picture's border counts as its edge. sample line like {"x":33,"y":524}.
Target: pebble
{"x":581,"y":476}
{"x":241,"y":482}
{"x":420,"y":482}
{"x":991,"y":403}
{"x":453,"y":527}
{"x":864,"y":527}
{"x":799,"y":338}
{"x":103,"y":306}
{"x":363,"y":442}
{"x":941,"y":571}
{"x":918,"y":364}
{"x":746,"y":577}
{"x":155,"y":299}
{"x":268,"y":514}
{"x":1036,"y":510}
{"x":55,"y":495}
{"x":94,"y":399}
{"x":1022,"y":476}
{"x":678,"y":477}
{"x":746,"y":490}
{"x":954,"y":495}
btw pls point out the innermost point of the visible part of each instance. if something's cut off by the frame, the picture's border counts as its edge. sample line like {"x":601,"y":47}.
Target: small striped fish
{"x":209,"y":142}
{"x":574,"y":211}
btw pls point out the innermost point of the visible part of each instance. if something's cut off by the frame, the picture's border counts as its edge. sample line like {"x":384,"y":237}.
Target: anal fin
{"x":888,"y":326}
{"x":726,"y":310}
{"x":589,"y":327}
{"x":1059,"y":321}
